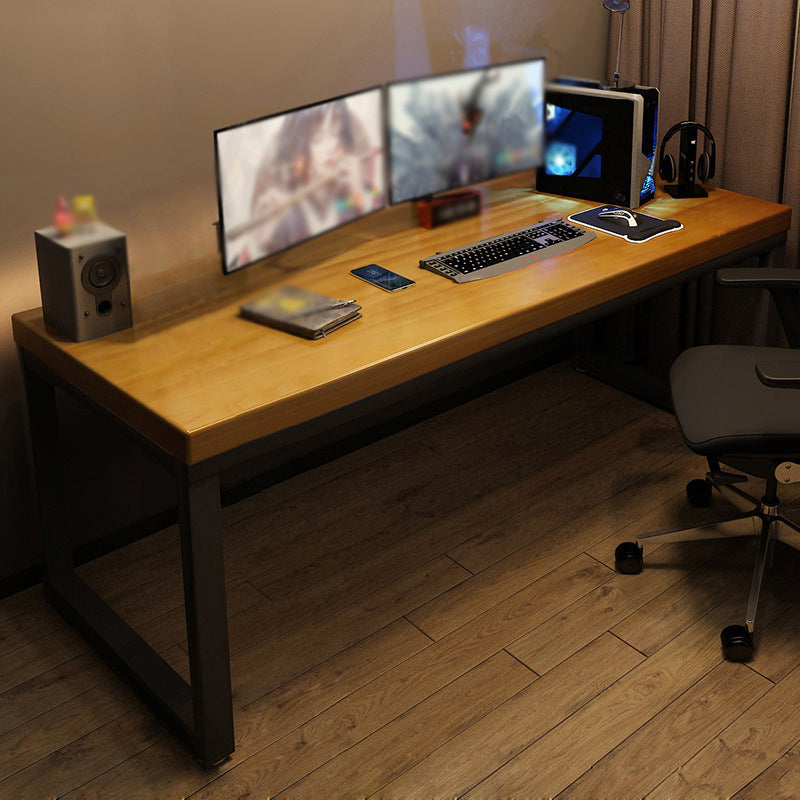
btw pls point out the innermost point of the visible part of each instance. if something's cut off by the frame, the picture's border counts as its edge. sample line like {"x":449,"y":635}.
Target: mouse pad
{"x":646,"y":226}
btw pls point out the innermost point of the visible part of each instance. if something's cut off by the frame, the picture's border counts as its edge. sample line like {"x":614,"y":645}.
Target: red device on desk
{"x":435,"y":211}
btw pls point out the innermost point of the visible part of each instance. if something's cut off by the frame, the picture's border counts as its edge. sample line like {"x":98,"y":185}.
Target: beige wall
{"x":120,"y":100}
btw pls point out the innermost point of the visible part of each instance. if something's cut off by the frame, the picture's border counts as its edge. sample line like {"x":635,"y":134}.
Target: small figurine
{"x":85,"y":212}
{"x":62,"y":218}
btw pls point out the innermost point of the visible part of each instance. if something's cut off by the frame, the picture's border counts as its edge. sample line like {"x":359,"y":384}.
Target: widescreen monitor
{"x":450,"y":131}
{"x":288,"y":177}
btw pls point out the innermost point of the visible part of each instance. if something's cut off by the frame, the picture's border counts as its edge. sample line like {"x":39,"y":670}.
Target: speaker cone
{"x":100,"y":274}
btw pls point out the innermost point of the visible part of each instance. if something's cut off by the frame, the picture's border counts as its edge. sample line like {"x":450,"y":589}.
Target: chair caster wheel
{"x":698,"y":493}
{"x":628,"y":558}
{"x":737,"y":643}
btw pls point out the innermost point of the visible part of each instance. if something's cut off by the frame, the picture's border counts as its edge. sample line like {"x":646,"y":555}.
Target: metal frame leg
{"x":732,"y":527}
{"x":758,"y":572}
{"x":48,"y":476}
{"x":206,"y":616}
{"x":200,"y":711}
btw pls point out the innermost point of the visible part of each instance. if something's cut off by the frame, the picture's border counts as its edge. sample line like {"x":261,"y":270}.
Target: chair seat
{"x":724,"y":410}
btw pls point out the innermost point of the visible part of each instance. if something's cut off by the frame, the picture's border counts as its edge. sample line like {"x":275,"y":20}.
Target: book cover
{"x":301,"y":312}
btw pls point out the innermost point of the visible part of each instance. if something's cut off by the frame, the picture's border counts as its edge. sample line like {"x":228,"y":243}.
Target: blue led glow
{"x":560,"y":158}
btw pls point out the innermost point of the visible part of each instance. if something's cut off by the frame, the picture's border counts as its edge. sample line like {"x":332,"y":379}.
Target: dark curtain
{"x":730,"y":66}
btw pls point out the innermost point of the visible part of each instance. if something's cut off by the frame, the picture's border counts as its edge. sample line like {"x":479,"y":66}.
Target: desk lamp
{"x":619,"y":6}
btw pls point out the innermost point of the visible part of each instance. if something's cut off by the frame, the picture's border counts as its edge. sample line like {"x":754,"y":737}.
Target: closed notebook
{"x":301,"y":312}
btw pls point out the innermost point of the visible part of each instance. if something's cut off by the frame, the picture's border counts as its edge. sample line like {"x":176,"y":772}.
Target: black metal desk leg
{"x":202,"y":710}
{"x":206,"y":615}
{"x":48,"y":476}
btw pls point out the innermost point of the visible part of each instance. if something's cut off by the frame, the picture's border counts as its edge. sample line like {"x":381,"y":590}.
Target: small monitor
{"x":600,"y":143}
{"x":286,"y":178}
{"x":449,"y":131}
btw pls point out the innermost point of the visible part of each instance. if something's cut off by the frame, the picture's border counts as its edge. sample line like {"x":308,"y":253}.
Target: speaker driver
{"x":100,"y":274}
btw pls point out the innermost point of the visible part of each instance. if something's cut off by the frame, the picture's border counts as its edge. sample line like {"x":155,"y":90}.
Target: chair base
{"x":762,"y":519}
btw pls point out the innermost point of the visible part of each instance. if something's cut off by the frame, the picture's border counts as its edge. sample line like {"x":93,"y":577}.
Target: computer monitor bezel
{"x":223,"y":243}
{"x":391,"y":86}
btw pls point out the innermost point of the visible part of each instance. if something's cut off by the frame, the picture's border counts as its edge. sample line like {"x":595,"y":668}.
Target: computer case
{"x":600,"y":142}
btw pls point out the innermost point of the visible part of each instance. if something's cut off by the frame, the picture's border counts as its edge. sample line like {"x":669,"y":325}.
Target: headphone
{"x":706,"y":163}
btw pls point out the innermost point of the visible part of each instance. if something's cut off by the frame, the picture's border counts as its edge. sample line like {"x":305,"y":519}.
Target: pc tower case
{"x":600,"y":142}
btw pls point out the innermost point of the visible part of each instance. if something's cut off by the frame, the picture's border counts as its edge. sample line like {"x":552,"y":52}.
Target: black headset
{"x":706,"y":163}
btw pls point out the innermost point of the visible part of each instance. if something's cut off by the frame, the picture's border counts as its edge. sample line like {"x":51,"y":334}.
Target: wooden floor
{"x":437,"y":615}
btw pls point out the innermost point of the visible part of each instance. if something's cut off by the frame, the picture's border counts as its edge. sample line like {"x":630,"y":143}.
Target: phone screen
{"x":382,"y":277}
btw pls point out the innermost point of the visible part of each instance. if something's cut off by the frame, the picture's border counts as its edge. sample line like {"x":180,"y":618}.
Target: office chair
{"x":739,"y":406}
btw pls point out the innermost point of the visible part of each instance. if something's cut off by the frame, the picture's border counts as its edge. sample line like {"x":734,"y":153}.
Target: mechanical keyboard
{"x":508,"y":251}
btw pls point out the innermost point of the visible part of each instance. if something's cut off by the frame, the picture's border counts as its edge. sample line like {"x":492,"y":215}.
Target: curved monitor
{"x":288,"y":177}
{"x":450,"y":131}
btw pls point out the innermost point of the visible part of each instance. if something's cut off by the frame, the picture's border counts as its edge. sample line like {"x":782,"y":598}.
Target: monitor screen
{"x":288,"y":177}
{"x":449,"y":131}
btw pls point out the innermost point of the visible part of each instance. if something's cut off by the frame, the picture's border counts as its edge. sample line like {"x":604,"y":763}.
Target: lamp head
{"x":616,"y":5}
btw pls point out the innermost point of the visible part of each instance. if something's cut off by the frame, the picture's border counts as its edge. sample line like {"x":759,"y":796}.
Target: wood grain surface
{"x":202,"y":380}
{"x":415,"y":641}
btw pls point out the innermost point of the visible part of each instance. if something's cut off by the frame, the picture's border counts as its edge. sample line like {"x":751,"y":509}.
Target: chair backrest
{"x":783,"y":285}
{"x":787,"y":301}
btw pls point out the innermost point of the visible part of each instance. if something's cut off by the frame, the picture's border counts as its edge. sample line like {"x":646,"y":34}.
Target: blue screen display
{"x":574,"y":140}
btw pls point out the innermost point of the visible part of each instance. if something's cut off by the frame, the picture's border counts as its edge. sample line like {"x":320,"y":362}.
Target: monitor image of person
{"x":450,"y":131}
{"x":286,"y":178}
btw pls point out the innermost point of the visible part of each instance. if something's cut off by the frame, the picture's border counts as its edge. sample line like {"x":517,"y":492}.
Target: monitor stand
{"x":433,"y":211}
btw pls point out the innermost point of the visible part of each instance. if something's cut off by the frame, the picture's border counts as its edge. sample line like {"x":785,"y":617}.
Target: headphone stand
{"x":690,"y":166}
{"x":681,"y":190}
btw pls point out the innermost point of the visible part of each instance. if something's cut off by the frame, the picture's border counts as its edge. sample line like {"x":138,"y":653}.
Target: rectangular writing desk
{"x":204,"y":389}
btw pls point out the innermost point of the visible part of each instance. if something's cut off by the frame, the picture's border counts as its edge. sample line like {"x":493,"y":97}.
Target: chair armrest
{"x":766,"y":278}
{"x":780,"y":374}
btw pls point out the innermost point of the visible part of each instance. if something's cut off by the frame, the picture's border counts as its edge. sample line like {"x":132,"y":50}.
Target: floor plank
{"x":673,"y":736}
{"x":544,"y":540}
{"x":552,"y":763}
{"x":763,"y":733}
{"x":166,"y":769}
{"x":394,"y":748}
{"x":437,"y":615}
{"x":493,"y":741}
{"x":363,"y":712}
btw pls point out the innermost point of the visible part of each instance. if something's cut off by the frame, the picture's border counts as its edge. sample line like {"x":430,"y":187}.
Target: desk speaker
{"x":84,"y":281}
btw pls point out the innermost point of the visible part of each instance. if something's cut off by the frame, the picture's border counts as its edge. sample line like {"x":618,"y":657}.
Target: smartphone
{"x":382,"y":278}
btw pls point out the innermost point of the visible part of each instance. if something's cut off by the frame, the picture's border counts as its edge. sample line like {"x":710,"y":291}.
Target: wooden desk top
{"x":201,"y":383}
